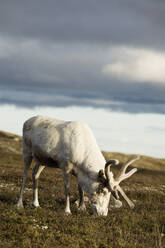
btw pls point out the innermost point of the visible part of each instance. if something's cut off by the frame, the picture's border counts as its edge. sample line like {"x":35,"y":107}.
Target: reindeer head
{"x":100,"y":199}
{"x":109,"y":185}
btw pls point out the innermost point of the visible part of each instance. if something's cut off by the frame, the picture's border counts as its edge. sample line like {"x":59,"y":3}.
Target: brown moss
{"x":49,"y":227}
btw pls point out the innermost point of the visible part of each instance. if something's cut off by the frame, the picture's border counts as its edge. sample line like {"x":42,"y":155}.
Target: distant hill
{"x":11,"y":143}
{"x":145,"y":162}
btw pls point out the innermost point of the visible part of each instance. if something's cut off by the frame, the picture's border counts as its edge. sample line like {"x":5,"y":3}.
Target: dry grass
{"x":49,"y":227}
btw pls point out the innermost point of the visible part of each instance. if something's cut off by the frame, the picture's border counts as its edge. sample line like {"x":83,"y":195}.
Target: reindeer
{"x":70,"y":146}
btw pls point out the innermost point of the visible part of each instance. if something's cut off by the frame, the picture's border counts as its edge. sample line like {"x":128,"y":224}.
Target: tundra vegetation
{"x":48,"y":226}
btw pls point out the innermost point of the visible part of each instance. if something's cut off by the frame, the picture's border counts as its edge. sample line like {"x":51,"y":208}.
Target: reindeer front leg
{"x":66,"y":190}
{"x":67,"y":168}
{"x":82,"y":206}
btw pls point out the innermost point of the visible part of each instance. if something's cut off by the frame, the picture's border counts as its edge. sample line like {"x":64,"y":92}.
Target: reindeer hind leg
{"x":35,"y":176}
{"x":27,"y":163}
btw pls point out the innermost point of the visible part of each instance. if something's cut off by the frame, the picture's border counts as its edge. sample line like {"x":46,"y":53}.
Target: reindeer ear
{"x":101,"y":177}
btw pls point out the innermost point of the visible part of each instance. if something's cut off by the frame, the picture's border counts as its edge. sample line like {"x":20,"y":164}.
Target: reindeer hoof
{"x":19,"y":205}
{"x":132,"y":206}
{"x":82,"y":208}
{"x":35,"y":205}
{"x":68,"y":213}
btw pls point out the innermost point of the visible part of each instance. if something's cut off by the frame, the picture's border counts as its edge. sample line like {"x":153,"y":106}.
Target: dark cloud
{"x":52,"y":53}
{"x":110,"y":100}
{"x":116,"y":21}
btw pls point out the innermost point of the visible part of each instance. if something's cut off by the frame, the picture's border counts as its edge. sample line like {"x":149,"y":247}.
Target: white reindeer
{"x":71,"y":147}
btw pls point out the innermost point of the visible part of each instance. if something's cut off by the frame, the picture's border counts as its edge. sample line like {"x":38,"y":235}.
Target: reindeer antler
{"x":122,"y":175}
{"x":109,"y":175}
{"x":113,"y":182}
{"x":107,"y":168}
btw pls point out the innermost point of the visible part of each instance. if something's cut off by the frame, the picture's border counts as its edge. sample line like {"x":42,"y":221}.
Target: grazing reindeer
{"x":71,"y":147}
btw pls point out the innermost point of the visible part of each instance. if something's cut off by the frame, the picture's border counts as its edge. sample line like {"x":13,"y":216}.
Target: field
{"x":48,"y":226}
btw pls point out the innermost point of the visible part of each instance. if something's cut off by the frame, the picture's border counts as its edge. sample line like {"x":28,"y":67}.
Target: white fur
{"x":73,"y":148}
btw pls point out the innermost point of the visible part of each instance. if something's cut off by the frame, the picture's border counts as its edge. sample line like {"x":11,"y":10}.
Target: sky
{"x":104,"y":59}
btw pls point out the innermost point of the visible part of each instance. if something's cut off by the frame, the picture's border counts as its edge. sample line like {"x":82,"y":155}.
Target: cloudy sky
{"x":107,"y":55}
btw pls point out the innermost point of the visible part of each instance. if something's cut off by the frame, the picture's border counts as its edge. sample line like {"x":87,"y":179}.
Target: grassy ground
{"x":48,"y":226}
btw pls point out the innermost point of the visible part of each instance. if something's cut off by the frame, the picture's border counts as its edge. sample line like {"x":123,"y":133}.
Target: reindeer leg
{"x":66,"y":170}
{"x":35,"y":176}
{"x":27,"y":163}
{"x":82,"y":206}
{"x":67,"y":193}
{"x":130,"y":203}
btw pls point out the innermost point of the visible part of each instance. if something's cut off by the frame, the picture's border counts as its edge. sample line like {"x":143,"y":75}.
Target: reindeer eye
{"x":105,"y":191}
